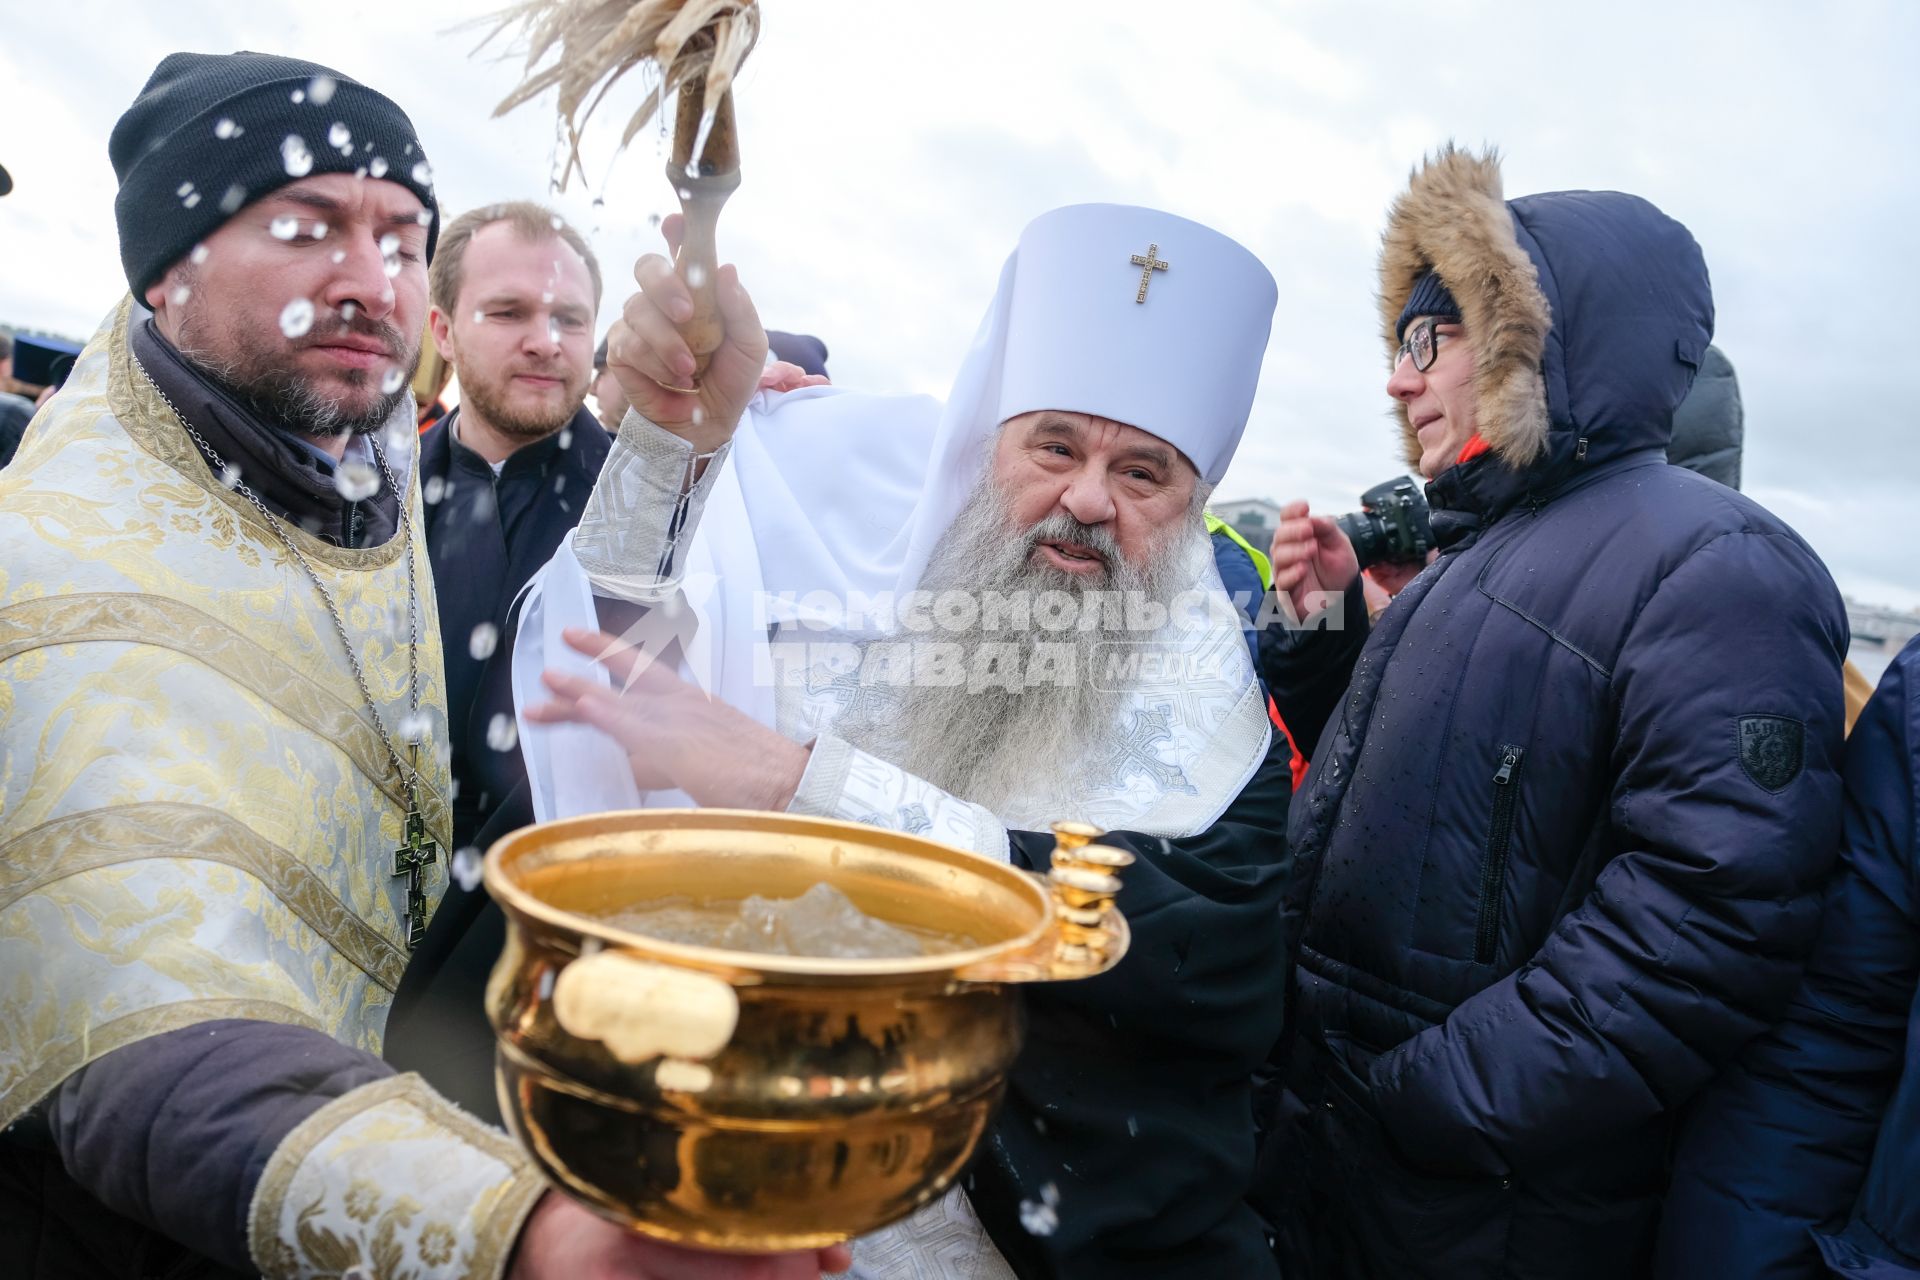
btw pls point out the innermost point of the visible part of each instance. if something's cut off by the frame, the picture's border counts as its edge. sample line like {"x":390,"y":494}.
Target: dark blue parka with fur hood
{"x":1561,"y":843}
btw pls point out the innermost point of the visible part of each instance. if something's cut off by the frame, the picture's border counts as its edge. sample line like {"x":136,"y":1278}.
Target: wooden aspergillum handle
{"x":702,"y":194}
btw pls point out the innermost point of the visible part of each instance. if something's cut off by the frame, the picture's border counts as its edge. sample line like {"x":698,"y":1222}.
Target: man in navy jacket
{"x":1803,"y":1160}
{"x":1561,"y":839}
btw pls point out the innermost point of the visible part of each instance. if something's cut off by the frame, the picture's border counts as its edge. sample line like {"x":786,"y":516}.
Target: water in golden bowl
{"x":736,"y":1099}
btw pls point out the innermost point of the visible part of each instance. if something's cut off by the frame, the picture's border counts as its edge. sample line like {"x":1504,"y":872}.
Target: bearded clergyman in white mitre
{"x":968,"y":620}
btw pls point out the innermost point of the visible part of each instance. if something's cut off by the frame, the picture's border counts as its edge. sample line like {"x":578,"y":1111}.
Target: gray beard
{"x":988,"y":744}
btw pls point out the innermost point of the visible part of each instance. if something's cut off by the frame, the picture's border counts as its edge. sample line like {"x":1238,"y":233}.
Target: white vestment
{"x":826,"y":499}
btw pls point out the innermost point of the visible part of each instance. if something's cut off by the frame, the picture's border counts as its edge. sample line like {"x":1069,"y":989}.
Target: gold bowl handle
{"x":1089,"y":935}
{"x":641,"y":1010}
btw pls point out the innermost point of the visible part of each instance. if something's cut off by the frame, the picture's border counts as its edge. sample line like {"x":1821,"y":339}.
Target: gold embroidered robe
{"x":198,"y":816}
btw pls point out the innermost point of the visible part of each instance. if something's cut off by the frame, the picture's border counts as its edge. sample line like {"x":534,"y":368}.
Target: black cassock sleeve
{"x":1129,"y":1117}
{"x":173,"y":1132}
{"x":1307,"y":671}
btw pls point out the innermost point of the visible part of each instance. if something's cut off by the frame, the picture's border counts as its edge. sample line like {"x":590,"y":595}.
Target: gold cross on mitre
{"x":1148,"y":264}
{"x":415,"y":854}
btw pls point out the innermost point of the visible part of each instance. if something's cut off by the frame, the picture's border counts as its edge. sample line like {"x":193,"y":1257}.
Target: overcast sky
{"x":892,"y":151}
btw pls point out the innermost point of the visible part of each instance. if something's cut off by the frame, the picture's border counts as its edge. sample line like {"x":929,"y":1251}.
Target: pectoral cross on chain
{"x":1148,"y":264}
{"x":410,"y":859}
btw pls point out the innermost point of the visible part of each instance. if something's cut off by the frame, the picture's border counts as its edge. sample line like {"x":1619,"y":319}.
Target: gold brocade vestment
{"x":198,"y":816}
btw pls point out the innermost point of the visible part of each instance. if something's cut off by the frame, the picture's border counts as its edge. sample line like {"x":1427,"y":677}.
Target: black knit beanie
{"x":212,"y":133}
{"x":1430,"y":297}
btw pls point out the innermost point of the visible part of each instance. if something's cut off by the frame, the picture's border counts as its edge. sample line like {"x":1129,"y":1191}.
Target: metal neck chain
{"x":409,"y":774}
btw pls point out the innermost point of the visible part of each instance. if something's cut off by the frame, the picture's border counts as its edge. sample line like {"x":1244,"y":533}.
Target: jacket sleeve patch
{"x":1772,"y":749}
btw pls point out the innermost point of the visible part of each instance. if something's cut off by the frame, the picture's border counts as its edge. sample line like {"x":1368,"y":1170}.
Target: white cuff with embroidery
{"x":634,"y":532}
{"x":391,"y":1180}
{"x":842,"y":781}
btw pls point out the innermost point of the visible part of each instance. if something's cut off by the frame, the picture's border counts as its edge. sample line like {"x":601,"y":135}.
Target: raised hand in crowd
{"x":1312,"y":559}
{"x":647,"y":351}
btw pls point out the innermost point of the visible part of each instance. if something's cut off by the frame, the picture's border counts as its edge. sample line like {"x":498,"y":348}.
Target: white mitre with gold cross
{"x":829,"y":495}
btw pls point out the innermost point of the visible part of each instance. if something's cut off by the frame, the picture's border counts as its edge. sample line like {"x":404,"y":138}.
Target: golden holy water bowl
{"x":767,"y":1102}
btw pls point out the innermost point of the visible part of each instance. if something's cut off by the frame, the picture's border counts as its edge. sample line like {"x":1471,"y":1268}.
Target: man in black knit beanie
{"x":223,"y":806}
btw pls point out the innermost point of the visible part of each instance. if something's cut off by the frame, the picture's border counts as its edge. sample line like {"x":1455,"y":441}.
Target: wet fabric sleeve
{"x":1306,"y":671}
{"x":1780,"y":1144}
{"x":175,"y":1130}
{"x":638,"y":522}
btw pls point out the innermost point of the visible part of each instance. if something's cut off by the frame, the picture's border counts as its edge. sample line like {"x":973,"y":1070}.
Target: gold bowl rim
{"x":747,"y":966}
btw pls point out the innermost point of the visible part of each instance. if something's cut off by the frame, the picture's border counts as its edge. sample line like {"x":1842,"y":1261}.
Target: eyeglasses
{"x":1423,"y":344}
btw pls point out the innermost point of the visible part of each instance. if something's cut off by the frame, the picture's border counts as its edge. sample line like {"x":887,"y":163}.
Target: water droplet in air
{"x":226,"y":128}
{"x":395,"y":379}
{"x":502,"y":733}
{"x":1041,"y":1217}
{"x":339,"y":136}
{"x":294,"y":156}
{"x":298,"y":95}
{"x":566,"y":437}
{"x":546,"y":297}
{"x":347,"y":312}
{"x":339,"y":256}
{"x":296,"y":318}
{"x":229,"y":476}
{"x":320,"y":89}
{"x":466,"y":868}
{"x":235,"y":197}
{"x":696,"y":275}
{"x":396,"y":438}
{"x":434,"y":490}
{"x":484,"y":640}
{"x":357,"y":481}
{"x":423,"y":173}
{"x":180,"y":295}
{"x":199,"y":255}
{"x":1133,"y":1126}
{"x":557,"y":221}
{"x":479,"y":315}
{"x":414,"y":726}
{"x":424,"y":217}
{"x":185,"y":188}
{"x":319,"y":231}
{"x":284,"y":228}
{"x":191,"y":200}
{"x":377,"y":166}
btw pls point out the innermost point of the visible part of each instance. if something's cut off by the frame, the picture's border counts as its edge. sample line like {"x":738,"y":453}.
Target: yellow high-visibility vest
{"x":1260,"y":562}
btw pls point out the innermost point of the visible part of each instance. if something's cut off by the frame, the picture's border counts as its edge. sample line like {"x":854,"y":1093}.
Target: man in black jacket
{"x":504,"y":476}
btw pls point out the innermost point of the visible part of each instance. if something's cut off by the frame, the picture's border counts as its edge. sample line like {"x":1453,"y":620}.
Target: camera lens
{"x":1368,"y":534}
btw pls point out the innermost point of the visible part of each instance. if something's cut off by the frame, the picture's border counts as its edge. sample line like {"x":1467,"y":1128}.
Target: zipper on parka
{"x":1493,"y":862}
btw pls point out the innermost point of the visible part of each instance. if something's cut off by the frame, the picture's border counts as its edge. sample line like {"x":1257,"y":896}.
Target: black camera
{"x":1391,"y":524}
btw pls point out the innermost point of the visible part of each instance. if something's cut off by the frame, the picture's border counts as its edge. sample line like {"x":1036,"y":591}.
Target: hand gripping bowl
{"x":763,"y":1102}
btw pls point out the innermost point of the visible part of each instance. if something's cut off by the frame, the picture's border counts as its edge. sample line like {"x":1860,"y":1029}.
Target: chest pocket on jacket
{"x":1493,"y":854}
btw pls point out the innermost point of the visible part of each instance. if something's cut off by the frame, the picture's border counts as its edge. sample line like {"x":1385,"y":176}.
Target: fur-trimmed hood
{"x":1588,"y":311}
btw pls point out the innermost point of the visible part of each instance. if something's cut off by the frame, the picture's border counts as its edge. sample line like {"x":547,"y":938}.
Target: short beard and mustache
{"x":987,"y":744}
{"x":260,"y":378}
{"x":487,"y":398}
